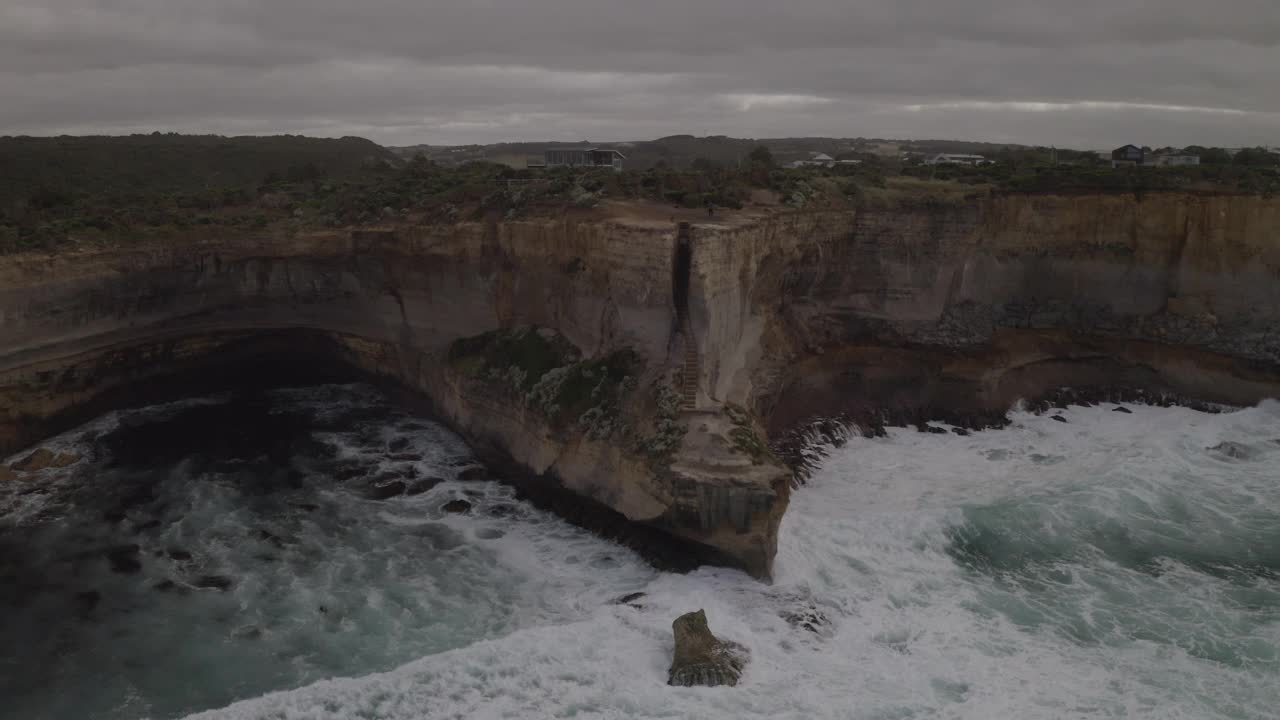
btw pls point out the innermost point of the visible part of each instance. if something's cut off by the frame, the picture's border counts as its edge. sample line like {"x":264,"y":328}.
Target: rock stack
{"x":700,"y":657}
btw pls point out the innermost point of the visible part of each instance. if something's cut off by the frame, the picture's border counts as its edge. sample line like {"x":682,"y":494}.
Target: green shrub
{"x":545,"y":371}
{"x":660,"y":446}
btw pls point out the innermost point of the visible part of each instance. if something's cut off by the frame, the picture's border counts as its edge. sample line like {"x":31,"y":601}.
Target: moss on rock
{"x":668,"y":433}
{"x":546,"y":372}
{"x":745,"y":438}
{"x":528,"y":353}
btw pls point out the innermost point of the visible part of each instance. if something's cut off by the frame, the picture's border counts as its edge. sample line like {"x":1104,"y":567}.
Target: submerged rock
{"x":148,"y":525}
{"x":38,"y":460}
{"x":700,"y":658}
{"x":387,"y":490}
{"x":166,"y":586}
{"x":272,"y":538}
{"x":125,"y":558}
{"x":630,"y":599}
{"x":65,"y":459}
{"x":86,"y":602}
{"x":472,"y":473}
{"x":1233,"y":450}
{"x":44,"y":458}
{"x":1059,"y":418}
{"x":808,"y":618}
{"x":348,"y":471}
{"x":1122,"y":409}
{"x":456,"y":506}
{"x":213,"y":582}
{"x":423,"y":486}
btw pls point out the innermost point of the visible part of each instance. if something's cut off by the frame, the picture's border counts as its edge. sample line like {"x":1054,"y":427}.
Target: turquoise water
{"x":1116,"y":565}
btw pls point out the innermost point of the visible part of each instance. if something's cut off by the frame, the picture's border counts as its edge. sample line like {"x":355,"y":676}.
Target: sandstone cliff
{"x":84,"y":331}
{"x":970,"y":306}
{"x":931,"y":309}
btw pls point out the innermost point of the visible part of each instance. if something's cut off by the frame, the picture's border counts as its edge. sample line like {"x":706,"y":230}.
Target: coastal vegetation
{"x":546,"y":373}
{"x":84,"y":190}
{"x":1092,"y":174}
{"x":661,"y":443}
{"x":745,"y":438}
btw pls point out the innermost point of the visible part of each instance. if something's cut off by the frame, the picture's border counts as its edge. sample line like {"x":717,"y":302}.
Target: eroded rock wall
{"x":927,"y":307}
{"x":81,"y":329}
{"x":982,"y":302}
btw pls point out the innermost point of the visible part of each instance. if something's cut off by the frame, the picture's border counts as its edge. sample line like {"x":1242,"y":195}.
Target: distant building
{"x":1129,"y":155}
{"x":815,"y":160}
{"x":580,"y":157}
{"x":954,"y":159}
{"x":1176,"y":159}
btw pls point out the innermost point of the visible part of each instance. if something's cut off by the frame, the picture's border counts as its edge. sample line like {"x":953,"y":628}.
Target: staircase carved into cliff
{"x":689,"y":373}
{"x":680,"y":284}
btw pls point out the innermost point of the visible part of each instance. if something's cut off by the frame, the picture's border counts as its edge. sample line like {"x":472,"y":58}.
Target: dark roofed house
{"x":1130,"y":155}
{"x":582,"y":157}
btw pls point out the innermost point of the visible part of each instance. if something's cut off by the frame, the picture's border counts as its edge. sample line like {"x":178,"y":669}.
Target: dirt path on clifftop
{"x":653,"y":215}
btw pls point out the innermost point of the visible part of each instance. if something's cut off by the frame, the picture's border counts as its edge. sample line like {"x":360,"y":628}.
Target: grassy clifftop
{"x":63,"y":191}
{"x":53,"y":188}
{"x":168,"y":163}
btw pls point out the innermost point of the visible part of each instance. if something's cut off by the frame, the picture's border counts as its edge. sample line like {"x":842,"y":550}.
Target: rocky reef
{"x":645,"y":369}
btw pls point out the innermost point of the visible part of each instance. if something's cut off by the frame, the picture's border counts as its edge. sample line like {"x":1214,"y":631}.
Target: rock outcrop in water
{"x":676,"y":355}
{"x":44,"y":458}
{"x":700,"y":658}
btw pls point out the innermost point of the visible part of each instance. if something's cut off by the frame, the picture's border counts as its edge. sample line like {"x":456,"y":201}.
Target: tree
{"x":1210,"y":155}
{"x":762,"y":157}
{"x":1256,"y":157}
{"x":704,"y":166}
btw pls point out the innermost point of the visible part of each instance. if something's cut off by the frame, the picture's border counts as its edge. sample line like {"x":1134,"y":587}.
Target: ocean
{"x":322,"y":553}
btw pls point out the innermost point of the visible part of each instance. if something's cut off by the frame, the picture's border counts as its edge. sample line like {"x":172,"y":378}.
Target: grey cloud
{"x":1088,"y":73}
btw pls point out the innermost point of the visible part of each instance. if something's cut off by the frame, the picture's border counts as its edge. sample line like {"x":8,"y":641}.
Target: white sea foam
{"x":1110,"y":566}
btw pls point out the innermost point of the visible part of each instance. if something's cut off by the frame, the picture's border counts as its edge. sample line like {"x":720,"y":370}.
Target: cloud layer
{"x":1091,"y":73}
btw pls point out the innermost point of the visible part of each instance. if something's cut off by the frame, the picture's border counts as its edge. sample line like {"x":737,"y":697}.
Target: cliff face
{"x":85,"y":331}
{"x":972,"y":306}
{"x":929,"y":309}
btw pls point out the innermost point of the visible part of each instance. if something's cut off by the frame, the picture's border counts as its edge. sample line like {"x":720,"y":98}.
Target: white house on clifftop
{"x":579,"y":157}
{"x":954,"y":159}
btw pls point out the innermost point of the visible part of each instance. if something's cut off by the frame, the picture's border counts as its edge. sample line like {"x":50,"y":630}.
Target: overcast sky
{"x":1075,"y":73}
